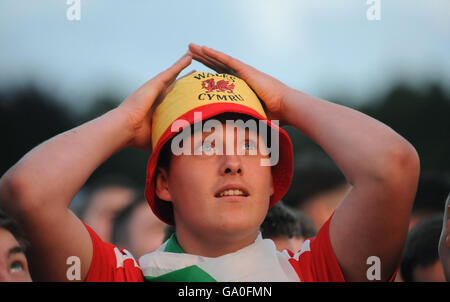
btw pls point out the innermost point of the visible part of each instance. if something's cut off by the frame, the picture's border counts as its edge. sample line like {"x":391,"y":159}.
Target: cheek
{"x":261,"y":177}
{"x":188,"y":178}
{"x":190,"y":181}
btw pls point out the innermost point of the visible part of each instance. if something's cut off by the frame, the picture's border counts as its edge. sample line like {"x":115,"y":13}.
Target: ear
{"x":272,"y":187}
{"x":162,"y":185}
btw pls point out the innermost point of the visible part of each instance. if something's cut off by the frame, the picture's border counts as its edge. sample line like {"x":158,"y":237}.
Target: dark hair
{"x":120,"y":235}
{"x":421,"y":248}
{"x":108,"y":181}
{"x":282,"y":221}
{"x":312,"y":179}
{"x":431,"y":194}
{"x":9,"y":224}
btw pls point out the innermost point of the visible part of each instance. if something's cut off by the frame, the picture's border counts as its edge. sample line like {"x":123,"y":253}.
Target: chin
{"x":236,"y":225}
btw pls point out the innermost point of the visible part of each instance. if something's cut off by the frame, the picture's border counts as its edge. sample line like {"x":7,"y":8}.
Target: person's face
{"x":444,"y":243}
{"x":293,"y":244}
{"x":13,"y":263}
{"x":146,"y":231}
{"x":220,"y":194}
{"x":105,"y":205}
{"x":429,"y":273}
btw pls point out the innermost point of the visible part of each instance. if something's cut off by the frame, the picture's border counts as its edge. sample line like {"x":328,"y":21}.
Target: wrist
{"x":120,"y":121}
{"x":288,"y":106}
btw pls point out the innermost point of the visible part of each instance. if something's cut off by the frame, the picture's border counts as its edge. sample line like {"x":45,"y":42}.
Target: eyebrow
{"x":15,"y":250}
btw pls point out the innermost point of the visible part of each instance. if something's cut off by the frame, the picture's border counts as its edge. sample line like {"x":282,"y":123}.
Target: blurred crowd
{"x":117,"y":210}
{"x":114,"y":205}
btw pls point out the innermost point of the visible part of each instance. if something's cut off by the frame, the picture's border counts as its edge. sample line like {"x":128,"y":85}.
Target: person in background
{"x":318,"y":190}
{"x":13,"y":262}
{"x":420,"y":260}
{"x":430,"y":197}
{"x":137,"y":229}
{"x":106,"y":198}
{"x":444,"y":242}
{"x":287,"y":228}
{"x":429,"y":201}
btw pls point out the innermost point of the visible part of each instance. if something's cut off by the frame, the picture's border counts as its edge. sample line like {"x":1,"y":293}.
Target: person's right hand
{"x":270,"y":91}
{"x":139,"y":106}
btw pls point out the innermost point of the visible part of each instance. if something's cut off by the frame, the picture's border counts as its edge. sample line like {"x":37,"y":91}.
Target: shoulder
{"x":316,"y":261}
{"x":110,"y":264}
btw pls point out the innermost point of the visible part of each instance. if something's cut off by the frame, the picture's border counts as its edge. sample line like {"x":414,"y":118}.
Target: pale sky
{"x":322,"y":47}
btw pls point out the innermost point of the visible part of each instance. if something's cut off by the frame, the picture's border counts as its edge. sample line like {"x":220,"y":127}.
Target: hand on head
{"x":140,"y":105}
{"x":269,"y":90}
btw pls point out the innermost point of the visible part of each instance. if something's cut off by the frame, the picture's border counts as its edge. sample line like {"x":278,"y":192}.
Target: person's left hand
{"x":270,"y":91}
{"x":138,"y":108}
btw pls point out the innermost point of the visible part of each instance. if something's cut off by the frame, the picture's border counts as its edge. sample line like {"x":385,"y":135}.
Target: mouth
{"x":232,"y":190}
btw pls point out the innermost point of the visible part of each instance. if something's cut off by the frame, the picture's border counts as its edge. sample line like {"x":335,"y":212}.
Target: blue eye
{"x":207,"y":148}
{"x":16,"y":267}
{"x":250,"y":146}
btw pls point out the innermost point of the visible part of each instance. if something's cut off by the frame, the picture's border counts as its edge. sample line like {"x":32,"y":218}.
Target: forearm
{"x":383,"y":168}
{"x":53,"y":172}
{"x":359,"y":145}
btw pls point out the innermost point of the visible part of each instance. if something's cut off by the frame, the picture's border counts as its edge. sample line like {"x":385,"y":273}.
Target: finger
{"x":199,"y":55}
{"x":170,"y":74}
{"x":169,"y":87}
{"x":218,"y":68}
{"x":223,"y":58}
{"x":195,"y":49}
{"x":152,"y":89}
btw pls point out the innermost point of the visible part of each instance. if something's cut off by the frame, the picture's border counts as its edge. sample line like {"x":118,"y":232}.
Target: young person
{"x":218,"y":202}
{"x":287,"y":227}
{"x":444,"y":242}
{"x":420,"y":258}
{"x":13,"y":244}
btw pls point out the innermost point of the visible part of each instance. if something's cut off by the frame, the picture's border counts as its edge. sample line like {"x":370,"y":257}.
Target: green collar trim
{"x":190,"y":273}
{"x":173,"y":246}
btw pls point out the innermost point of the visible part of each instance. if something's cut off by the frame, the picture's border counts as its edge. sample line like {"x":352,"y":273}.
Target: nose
{"x":231,"y":165}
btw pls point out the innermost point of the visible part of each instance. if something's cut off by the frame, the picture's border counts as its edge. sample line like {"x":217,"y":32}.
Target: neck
{"x":214,"y":244}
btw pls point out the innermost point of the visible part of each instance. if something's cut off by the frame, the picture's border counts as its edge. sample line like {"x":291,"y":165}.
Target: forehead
{"x":228,"y":128}
{"x":7,"y":241}
{"x":166,"y":153}
{"x":229,"y":121}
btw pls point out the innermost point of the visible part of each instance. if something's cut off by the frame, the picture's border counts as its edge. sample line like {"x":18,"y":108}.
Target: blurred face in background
{"x":293,"y":244}
{"x":104,"y":206}
{"x":13,"y":263}
{"x":429,"y":273}
{"x":444,"y":243}
{"x":145,"y":230}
